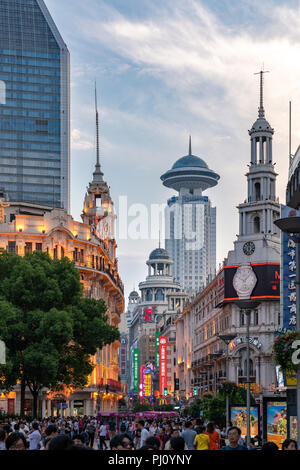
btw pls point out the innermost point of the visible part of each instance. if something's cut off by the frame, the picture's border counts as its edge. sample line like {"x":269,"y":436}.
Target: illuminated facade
{"x":91,"y":246}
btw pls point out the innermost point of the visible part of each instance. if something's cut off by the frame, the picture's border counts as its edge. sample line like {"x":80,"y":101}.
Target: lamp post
{"x":227,"y":340}
{"x":207,"y":367}
{"x":247,"y":306}
{"x":291,"y":226}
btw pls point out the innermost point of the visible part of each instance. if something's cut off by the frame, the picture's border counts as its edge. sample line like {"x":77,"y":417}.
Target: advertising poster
{"x":276,"y":422}
{"x":293,"y":427}
{"x":238,"y":417}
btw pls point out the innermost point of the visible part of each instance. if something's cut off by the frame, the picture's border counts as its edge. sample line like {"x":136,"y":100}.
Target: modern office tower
{"x":191,"y":222}
{"x":34,"y":106}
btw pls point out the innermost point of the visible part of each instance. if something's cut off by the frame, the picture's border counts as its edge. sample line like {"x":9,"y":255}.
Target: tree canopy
{"x":49,"y":328}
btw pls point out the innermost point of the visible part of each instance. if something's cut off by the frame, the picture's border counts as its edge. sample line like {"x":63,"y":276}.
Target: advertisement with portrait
{"x":238,"y":417}
{"x":275,"y":419}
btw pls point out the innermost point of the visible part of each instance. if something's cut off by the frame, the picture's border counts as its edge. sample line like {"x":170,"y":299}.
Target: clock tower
{"x":259,"y":239}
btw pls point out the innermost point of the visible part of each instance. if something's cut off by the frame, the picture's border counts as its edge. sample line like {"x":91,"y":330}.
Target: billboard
{"x":276,"y":422}
{"x":136,"y":377}
{"x":157,"y":350}
{"x":238,"y":417}
{"x":162,"y":364}
{"x":267,"y":286}
{"x":288,"y":269}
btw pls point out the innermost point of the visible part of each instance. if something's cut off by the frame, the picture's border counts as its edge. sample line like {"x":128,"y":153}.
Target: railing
{"x":106,"y":271}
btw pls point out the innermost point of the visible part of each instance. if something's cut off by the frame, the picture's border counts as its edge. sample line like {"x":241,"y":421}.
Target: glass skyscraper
{"x":34,"y":106}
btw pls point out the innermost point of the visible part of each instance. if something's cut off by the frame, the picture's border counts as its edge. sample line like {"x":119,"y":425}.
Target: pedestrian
{"x":289,"y":444}
{"x":177,"y":444}
{"x":91,"y":429}
{"x":102,"y":436}
{"x":16,"y":441}
{"x":34,"y":437}
{"x":234,"y":434}
{"x":2,"y":439}
{"x":144,"y":433}
{"x":201,"y":441}
{"x":189,"y":435}
{"x":214,"y":437}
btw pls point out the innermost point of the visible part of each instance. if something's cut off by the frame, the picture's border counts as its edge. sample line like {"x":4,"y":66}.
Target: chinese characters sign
{"x":289,"y":274}
{"x":162,"y":364}
{"x":148,"y":315}
{"x":147,"y":380}
{"x":136,"y":370}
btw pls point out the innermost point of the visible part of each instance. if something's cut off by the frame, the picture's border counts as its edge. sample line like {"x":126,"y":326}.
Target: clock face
{"x":249,"y":248}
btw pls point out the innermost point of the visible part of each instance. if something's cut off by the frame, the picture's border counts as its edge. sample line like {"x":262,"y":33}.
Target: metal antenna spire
{"x":98,"y":169}
{"x":159,"y":238}
{"x":190,"y":146}
{"x":261,"y":111}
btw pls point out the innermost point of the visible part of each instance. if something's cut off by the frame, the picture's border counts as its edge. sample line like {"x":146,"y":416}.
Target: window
{"x":28,"y":247}
{"x":12,"y":247}
{"x":242,"y":319}
{"x":159,"y":295}
{"x":255,"y":320}
{"x":55,"y":253}
{"x":38,"y":247}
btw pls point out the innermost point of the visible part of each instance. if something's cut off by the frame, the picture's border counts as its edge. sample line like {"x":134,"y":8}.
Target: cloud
{"x":80,"y":141}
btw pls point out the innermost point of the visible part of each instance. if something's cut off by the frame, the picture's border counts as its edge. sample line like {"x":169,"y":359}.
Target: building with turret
{"x":190,"y":222}
{"x":91,"y":246}
{"x":250,"y":271}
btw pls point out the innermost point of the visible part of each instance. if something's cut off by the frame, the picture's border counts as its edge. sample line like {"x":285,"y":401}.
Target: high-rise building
{"x":191,"y":222}
{"x":34,"y":106}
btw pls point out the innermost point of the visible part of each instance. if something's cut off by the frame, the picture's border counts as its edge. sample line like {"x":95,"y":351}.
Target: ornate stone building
{"x":91,"y":246}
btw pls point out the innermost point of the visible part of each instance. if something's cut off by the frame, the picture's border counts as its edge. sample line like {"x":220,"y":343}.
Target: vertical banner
{"x":136,"y":367}
{"x":162,"y":364}
{"x":142,"y":376}
{"x":288,"y":277}
{"x":148,"y":380}
{"x":157,"y":350}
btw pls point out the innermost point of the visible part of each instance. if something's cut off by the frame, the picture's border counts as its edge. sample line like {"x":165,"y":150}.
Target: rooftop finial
{"x":190,"y":146}
{"x":98,"y":171}
{"x":261,"y":111}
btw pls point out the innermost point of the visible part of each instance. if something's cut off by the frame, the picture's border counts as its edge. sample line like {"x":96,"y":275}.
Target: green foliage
{"x":167,"y":407}
{"x":138,"y":407}
{"x":214,"y":408}
{"x":282,"y":350}
{"x":49,"y":328}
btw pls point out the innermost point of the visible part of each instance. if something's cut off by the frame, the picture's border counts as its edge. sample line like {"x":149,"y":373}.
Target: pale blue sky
{"x":169,"y":68}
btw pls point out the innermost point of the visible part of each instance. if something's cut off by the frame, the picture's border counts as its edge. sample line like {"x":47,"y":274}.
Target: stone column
{"x":48,"y":408}
{"x":261,"y":151}
{"x":43,"y":408}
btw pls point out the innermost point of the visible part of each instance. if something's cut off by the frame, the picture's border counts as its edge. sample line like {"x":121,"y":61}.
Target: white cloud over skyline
{"x":174,"y":69}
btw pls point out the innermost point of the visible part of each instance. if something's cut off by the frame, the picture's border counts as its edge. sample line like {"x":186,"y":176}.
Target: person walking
{"x":214,"y":437}
{"x":189,"y":435}
{"x":201,"y":441}
{"x":102,"y":436}
{"x":234,"y":434}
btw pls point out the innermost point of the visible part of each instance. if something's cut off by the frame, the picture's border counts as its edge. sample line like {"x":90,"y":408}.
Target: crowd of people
{"x":88,"y":433}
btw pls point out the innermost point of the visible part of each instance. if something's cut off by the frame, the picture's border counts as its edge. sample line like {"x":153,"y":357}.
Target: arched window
{"x":256,"y":224}
{"x":250,"y":367}
{"x":148,"y":296}
{"x":159,"y":295}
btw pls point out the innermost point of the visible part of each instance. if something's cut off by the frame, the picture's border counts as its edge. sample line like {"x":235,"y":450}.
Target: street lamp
{"x":291,"y":226}
{"x":227,"y":340}
{"x":247,"y":306}
{"x":214,"y":357}
{"x":207,"y":367}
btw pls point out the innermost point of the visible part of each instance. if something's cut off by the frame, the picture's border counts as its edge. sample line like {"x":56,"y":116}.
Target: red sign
{"x":148,"y":315}
{"x":162,"y":364}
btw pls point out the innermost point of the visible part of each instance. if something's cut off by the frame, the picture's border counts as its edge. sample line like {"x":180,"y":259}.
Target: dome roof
{"x":134,"y":293}
{"x":159,"y":253}
{"x":189,"y":161}
{"x":261,"y":124}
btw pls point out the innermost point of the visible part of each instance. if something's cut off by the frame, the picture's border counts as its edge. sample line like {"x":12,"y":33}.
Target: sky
{"x":168,"y":69}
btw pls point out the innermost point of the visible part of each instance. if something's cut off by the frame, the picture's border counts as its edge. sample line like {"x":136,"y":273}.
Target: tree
{"x":49,"y":328}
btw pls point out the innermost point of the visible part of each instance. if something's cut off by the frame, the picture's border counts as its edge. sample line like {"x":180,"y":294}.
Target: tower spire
{"x":190,"y":146}
{"x":97,"y":173}
{"x":261,"y":110}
